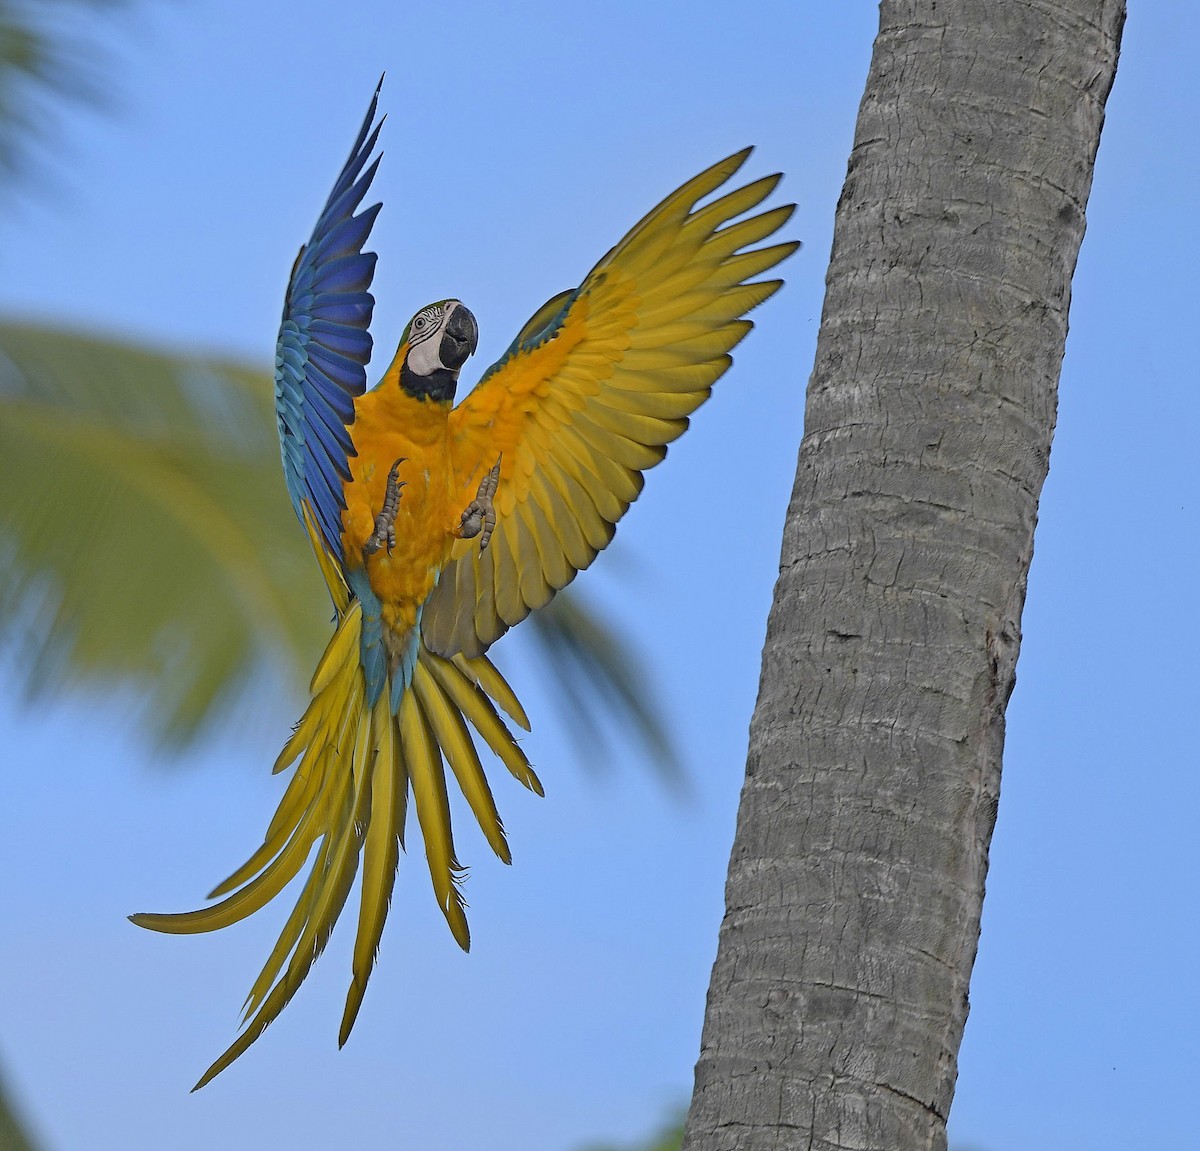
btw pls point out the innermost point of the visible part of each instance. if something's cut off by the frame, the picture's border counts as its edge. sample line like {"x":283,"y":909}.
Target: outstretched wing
{"x":596,"y":385}
{"x":324,"y":346}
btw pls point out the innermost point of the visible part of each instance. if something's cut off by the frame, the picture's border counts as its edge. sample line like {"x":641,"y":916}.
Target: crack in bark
{"x":900,"y":1094}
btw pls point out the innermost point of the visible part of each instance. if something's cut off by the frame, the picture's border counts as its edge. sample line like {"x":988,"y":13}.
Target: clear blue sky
{"x":522,"y":140}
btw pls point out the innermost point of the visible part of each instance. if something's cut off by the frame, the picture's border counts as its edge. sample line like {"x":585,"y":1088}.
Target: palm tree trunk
{"x":839,"y":992}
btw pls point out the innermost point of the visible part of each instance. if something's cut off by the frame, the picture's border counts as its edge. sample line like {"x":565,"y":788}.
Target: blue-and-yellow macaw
{"x":437,"y":528}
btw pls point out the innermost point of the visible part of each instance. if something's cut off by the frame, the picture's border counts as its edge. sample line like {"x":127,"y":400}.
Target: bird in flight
{"x":437,"y":528}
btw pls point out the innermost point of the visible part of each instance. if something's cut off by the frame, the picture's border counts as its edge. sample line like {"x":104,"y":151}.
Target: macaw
{"x":437,"y":528}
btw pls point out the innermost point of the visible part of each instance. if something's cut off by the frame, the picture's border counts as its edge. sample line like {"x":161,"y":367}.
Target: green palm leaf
{"x":669,"y":1138}
{"x":146,"y":540}
{"x":43,"y":64}
{"x":13,"y":1137}
{"x":143,"y":534}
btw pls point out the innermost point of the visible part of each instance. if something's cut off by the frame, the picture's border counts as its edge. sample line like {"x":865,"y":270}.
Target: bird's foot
{"x":479,"y":519}
{"x":385,"y":522}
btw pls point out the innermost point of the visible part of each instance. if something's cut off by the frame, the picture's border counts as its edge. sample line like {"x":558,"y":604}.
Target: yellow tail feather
{"x":353,"y":766}
{"x":381,"y":856}
{"x":450,"y":731}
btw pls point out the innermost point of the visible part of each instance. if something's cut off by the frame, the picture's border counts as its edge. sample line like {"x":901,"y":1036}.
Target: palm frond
{"x":669,"y":1138}
{"x":13,"y":1136}
{"x":601,"y":683}
{"x":44,"y":60}
{"x":146,"y":541}
{"x":145,"y":538}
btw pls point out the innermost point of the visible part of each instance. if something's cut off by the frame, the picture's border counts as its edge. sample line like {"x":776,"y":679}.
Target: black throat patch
{"x":439,"y":385}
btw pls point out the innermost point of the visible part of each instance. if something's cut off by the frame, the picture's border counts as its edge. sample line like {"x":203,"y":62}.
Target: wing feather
{"x":700,"y":309}
{"x":586,"y":399}
{"x":484,"y":576}
{"x":635,"y":456}
{"x":324,"y":345}
{"x":536,"y":581}
{"x":596,"y":529}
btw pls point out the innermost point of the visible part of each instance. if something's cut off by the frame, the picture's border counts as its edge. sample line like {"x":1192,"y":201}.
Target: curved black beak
{"x":460,"y":337}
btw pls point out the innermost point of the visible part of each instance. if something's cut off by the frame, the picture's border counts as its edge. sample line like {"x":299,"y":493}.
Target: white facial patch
{"x":425,"y":338}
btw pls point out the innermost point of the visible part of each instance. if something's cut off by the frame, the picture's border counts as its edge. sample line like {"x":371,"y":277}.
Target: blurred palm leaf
{"x":12,"y":1136}
{"x":598,"y":678}
{"x":669,"y":1139}
{"x":142,"y":536}
{"x":145,"y":540}
{"x":46,"y":56}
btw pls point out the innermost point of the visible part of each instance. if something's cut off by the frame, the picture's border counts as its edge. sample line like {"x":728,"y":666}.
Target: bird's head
{"x":434,"y":347}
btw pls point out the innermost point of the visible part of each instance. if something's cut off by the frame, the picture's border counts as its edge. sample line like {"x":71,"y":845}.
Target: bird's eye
{"x":420,"y":322}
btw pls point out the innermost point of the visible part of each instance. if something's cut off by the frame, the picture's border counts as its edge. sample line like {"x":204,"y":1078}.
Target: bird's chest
{"x":413,"y":432}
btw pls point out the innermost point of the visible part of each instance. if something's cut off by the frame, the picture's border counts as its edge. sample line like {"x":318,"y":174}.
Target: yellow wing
{"x":599,"y":381}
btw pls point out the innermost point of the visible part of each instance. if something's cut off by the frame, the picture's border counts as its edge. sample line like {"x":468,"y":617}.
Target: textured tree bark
{"x":839,"y":993}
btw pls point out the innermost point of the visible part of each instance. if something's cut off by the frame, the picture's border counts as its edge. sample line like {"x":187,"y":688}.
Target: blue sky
{"x":522,"y":140}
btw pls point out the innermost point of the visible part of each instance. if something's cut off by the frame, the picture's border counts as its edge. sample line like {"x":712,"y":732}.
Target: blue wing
{"x":324,"y":346}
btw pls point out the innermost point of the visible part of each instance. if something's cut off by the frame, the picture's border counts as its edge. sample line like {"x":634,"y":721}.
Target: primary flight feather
{"x":437,"y":528}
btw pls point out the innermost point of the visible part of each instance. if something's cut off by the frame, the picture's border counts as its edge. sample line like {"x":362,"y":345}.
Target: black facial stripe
{"x":439,"y":385}
{"x":419,"y":335}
